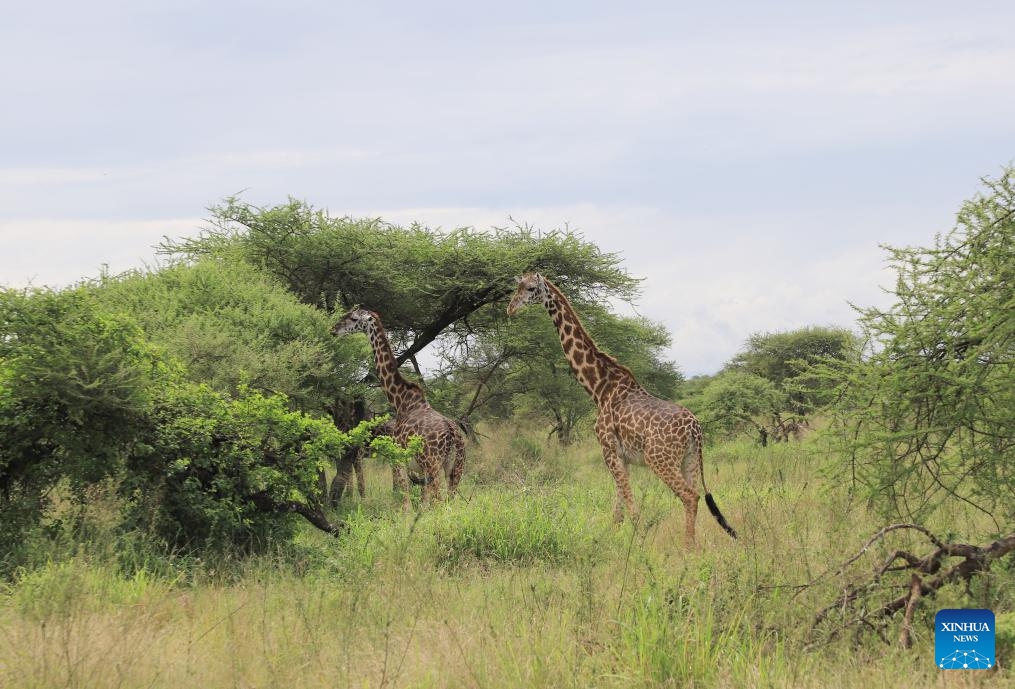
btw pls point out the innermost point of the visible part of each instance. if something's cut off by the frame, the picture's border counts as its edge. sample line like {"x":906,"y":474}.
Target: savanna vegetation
{"x":163,"y":435}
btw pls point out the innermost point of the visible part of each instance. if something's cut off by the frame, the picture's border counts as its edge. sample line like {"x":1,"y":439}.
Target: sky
{"x":745,"y":159}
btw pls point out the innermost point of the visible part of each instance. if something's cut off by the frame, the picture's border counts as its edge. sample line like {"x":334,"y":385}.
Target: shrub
{"x":74,"y":394}
{"x":230,"y":474}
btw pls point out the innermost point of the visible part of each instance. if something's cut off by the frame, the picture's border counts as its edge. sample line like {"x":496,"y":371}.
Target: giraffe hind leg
{"x":432,"y":469}
{"x":675,"y":477}
{"x":457,"y":469}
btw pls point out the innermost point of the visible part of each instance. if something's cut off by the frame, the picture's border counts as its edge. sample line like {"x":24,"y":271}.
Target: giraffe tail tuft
{"x":714,"y":509}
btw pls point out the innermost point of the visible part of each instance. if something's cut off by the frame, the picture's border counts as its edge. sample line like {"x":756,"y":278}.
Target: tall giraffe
{"x":632,"y":423}
{"x":443,"y":445}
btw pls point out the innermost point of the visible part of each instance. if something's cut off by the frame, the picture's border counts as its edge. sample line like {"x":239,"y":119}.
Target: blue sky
{"x":746,"y":159}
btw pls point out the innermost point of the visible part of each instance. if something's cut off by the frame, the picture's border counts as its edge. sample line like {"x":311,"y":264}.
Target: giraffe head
{"x":531,"y":288}
{"x":356,"y":321}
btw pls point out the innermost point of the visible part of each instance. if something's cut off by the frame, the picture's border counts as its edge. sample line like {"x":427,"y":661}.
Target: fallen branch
{"x":936,"y":571}
{"x":906,"y":636}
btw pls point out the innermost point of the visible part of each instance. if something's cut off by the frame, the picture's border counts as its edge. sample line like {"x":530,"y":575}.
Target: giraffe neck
{"x":401,"y":393}
{"x":598,"y":372}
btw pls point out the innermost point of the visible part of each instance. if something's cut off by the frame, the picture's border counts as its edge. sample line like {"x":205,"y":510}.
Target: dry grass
{"x":523,"y":581}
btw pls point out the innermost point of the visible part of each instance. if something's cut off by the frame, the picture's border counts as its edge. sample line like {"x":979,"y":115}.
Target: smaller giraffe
{"x":350,"y":462}
{"x":388,"y":428}
{"x":632,"y":425}
{"x":443,"y":444}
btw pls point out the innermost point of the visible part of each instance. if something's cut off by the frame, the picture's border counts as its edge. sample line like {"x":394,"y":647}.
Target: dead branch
{"x":905,"y":637}
{"x":858,"y":606}
{"x":876,"y":537}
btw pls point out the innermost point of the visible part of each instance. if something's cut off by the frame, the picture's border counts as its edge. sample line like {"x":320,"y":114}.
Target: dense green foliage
{"x":927,"y":416}
{"x":223,"y":473}
{"x":736,"y":402}
{"x":783,"y":358}
{"x":232,"y":325}
{"x":85,"y":396}
{"x":75,"y":389}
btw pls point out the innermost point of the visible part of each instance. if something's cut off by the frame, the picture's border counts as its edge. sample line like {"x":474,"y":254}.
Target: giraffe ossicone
{"x":443,"y":444}
{"x":632,"y":423}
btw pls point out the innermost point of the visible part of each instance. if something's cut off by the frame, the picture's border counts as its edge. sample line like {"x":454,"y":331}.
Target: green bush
{"x":228,"y":474}
{"x":74,"y":394}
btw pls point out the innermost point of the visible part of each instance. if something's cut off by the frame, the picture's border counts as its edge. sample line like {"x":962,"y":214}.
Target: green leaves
{"x":232,"y":325}
{"x":75,"y":386}
{"x":928,"y":414}
{"x":785,"y":358}
{"x":736,"y":401}
{"x":225,"y":473}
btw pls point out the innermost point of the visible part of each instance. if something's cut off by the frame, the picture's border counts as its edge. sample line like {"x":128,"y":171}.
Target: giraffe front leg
{"x":432,"y":469}
{"x":400,"y":481}
{"x":361,"y":481}
{"x":623,"y":482}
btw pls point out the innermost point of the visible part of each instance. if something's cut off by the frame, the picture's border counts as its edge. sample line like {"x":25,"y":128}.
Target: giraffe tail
{"x":714,"y":509}
{"x":709,"y":500}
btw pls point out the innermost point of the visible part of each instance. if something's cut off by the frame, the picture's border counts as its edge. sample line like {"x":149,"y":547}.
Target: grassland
{"x":522,"y":581}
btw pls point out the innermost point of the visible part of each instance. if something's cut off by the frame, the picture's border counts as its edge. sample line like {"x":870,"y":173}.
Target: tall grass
{"x":523,"y":580}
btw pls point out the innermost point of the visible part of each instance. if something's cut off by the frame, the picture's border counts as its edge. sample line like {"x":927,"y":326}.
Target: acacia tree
{"x":783,"y":358}
{"x":428,"y":284}
{"x":737,"y":401}
{"x":927,"y":414}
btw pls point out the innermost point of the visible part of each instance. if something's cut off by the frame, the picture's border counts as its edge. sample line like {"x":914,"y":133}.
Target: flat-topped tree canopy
{"x":428,"y":283}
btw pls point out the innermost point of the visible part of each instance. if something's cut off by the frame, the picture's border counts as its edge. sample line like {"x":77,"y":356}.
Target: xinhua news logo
{"x":964,"y":639}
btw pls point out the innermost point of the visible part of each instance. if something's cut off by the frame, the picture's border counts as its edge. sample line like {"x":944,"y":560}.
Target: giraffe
{"x":632,"y":424}
{"x":443,"y":445}
{"x":350,"y":462}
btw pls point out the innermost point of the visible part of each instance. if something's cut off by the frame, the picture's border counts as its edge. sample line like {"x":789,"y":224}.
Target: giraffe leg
{"x":456,"y":474}
{"x":623,"y":481}
{"x":670,"y":473}
{"x":432,"y":488}
{"x":400,"y":479}
{"x":690,"y":515}
{"x":361,"y":481}
{"x":343,"y":475}
{"x":458,"y":452}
